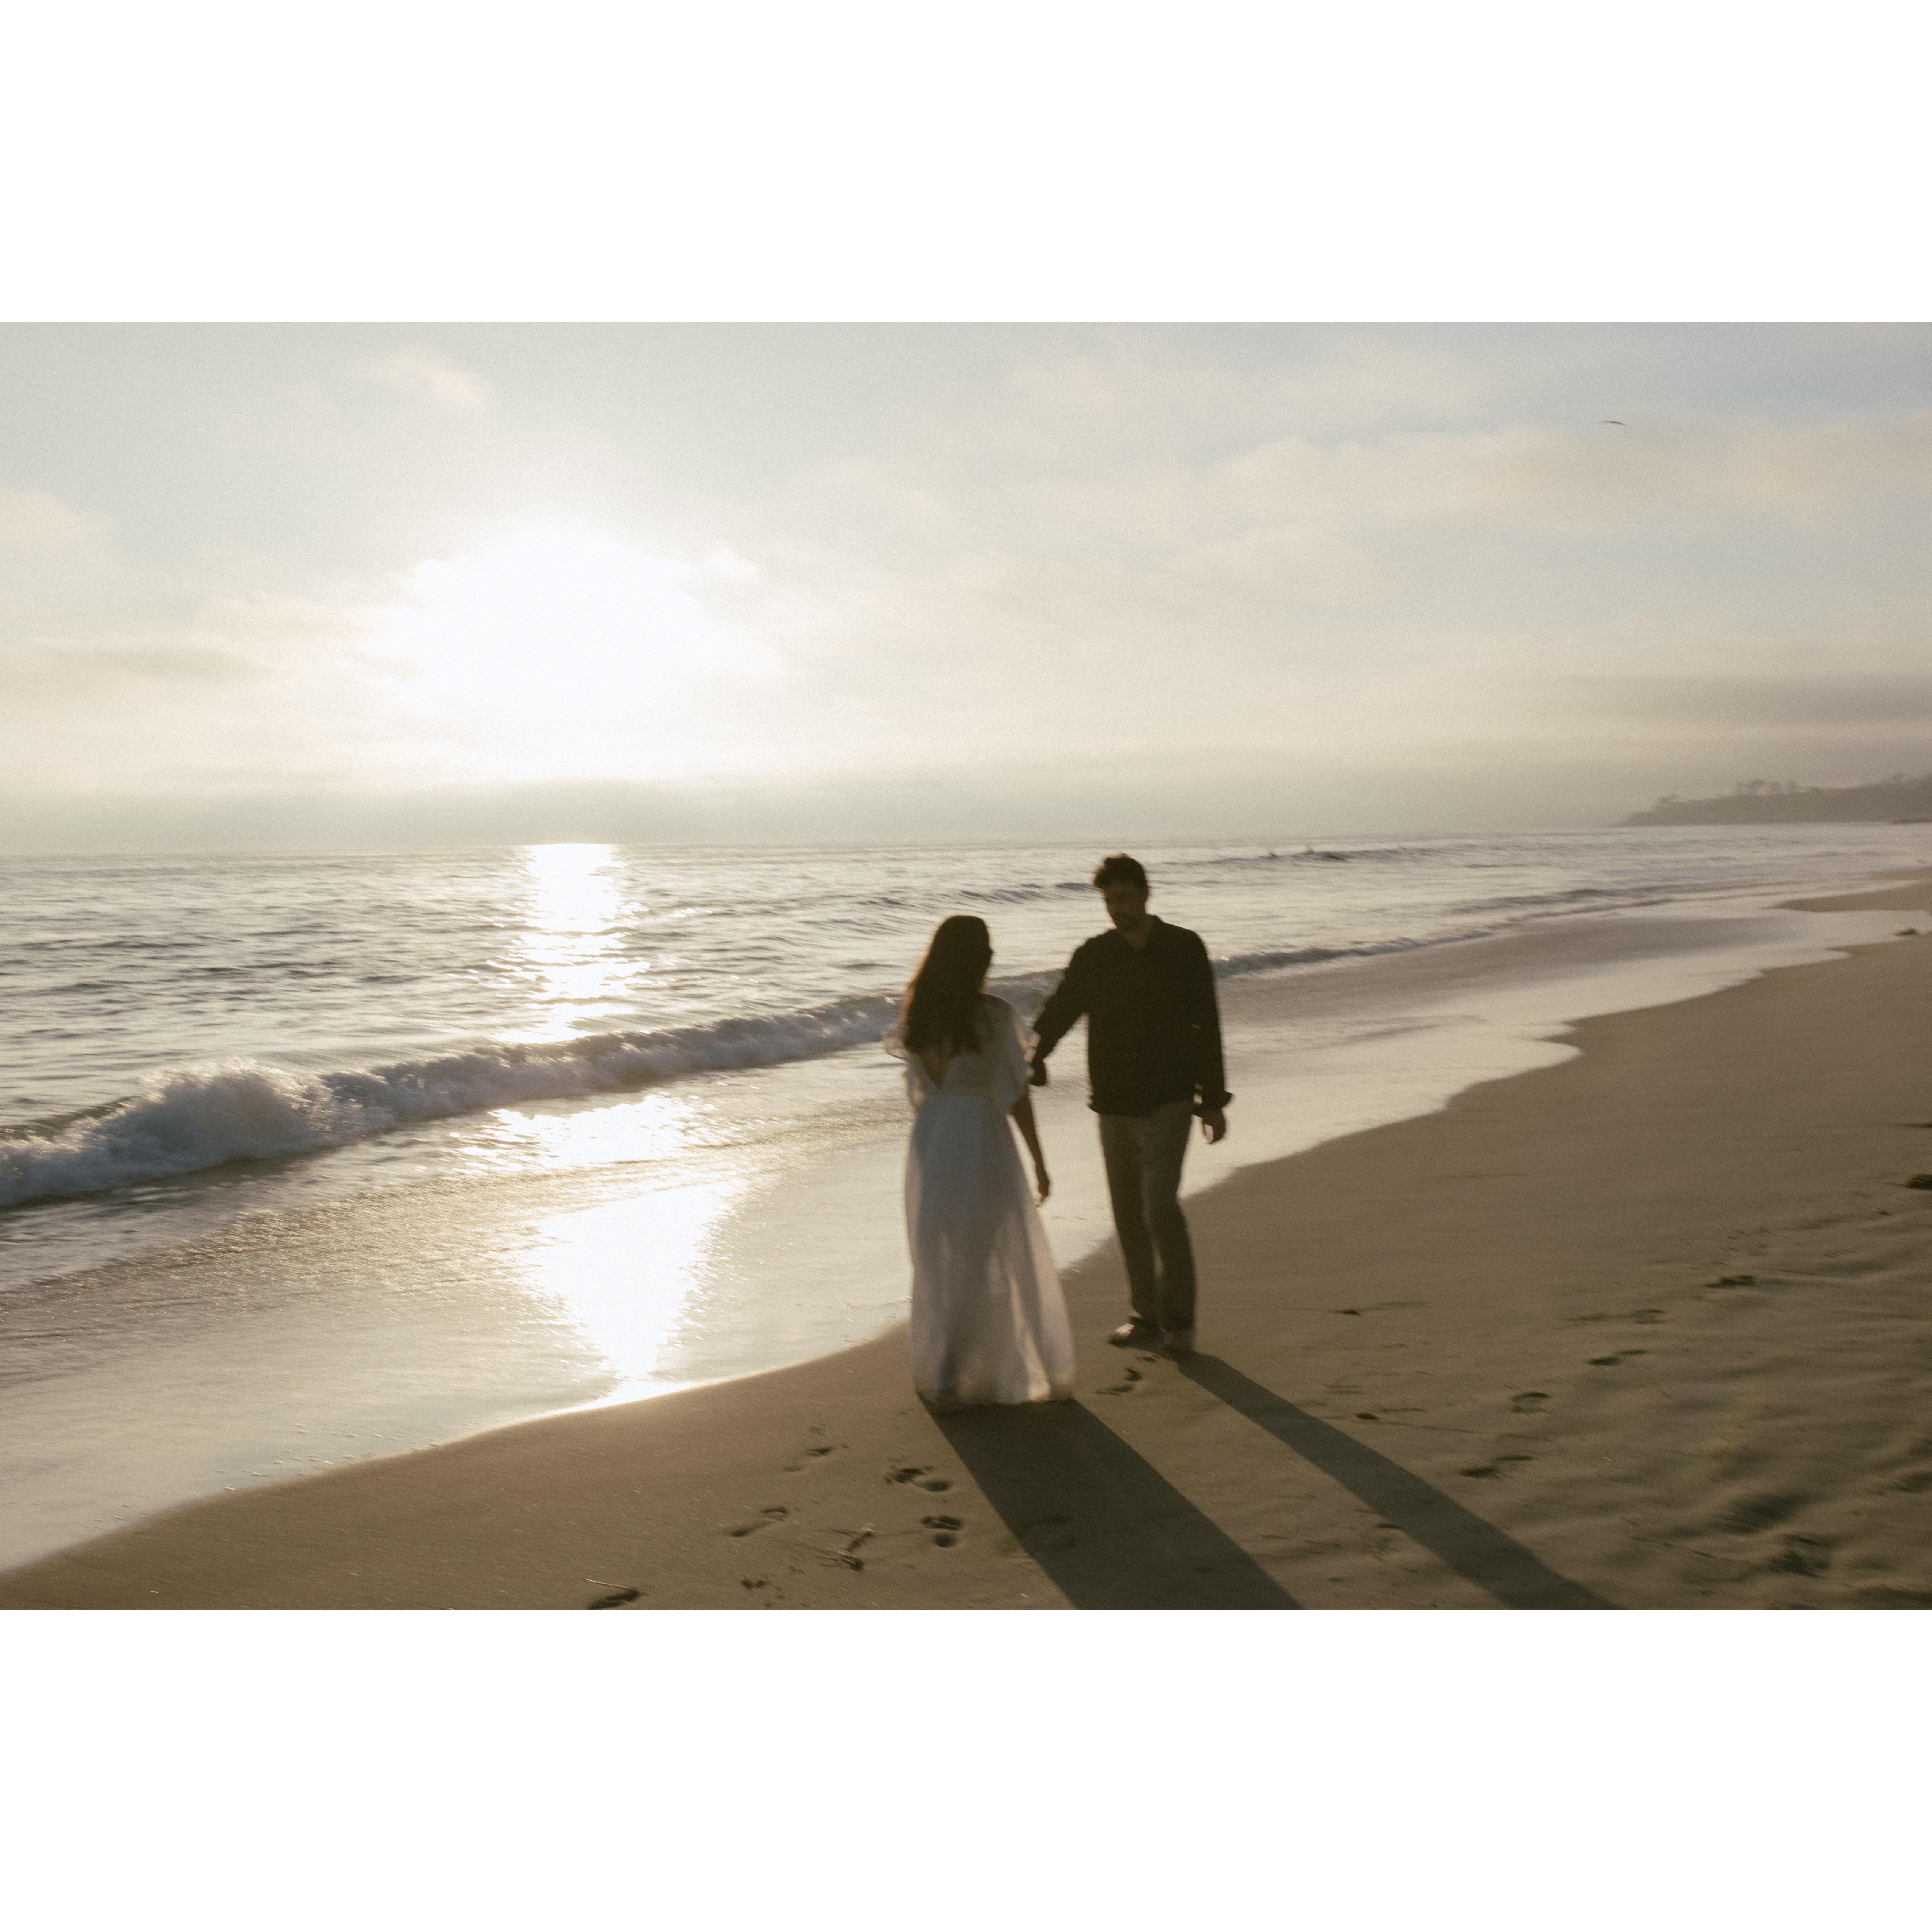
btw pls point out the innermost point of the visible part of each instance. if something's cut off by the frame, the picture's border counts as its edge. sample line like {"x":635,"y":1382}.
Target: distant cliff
{"x":1763,"y":801}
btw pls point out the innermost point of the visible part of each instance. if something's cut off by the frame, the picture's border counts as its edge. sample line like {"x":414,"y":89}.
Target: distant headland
{"x":1897,"y":800}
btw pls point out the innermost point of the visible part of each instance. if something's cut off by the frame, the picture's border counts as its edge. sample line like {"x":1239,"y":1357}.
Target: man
{"x":1153,"y":1062}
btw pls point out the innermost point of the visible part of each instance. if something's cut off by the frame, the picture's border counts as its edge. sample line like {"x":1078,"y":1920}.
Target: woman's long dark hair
{"x":942,"y":1011}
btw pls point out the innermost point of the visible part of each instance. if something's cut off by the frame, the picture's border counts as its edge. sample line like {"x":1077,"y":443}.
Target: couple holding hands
{"x":989,"y":1321}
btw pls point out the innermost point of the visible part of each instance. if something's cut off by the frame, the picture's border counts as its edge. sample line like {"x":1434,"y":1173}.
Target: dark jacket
{"x":1153,"y":1029}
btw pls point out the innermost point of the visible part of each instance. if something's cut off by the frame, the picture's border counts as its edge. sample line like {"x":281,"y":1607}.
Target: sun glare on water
{"x":575,"y":943}
{"x":625,"y":1276}
{"x":622,"y":1276}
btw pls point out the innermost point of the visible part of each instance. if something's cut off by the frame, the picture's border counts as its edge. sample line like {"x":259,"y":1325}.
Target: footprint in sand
{"x":754,"y":1583}
{"x":1051,"y":1532}
{"x":1758,"y":1512}
{"x":916,"y":1473}
{"x":942,"y":1522}
{"x":1803,"y":1556}
{"x":1648,"y":1314}
{"x":1530,"y":1403}
{"x":614,"y":1599}
{"x":805,"y":1461}
{"x":1606,"y":1361}
{"x":775,"y":1513}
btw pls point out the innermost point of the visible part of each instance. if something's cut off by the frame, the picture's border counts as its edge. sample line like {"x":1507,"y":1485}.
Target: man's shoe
{"x":1177,"y":1342}
{"x":1135,"y":1334}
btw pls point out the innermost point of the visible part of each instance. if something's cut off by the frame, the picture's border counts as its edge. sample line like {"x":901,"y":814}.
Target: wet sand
{"x":1648,"y":1329}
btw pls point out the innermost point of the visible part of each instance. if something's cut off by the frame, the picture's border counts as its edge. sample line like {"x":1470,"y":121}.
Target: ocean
{"x":307,"y":1158}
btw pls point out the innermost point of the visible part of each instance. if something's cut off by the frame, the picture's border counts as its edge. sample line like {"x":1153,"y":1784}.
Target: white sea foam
{"x":187,"y":1118}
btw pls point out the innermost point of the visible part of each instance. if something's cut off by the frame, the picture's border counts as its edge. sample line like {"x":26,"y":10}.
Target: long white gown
{"x":988,"y":1320}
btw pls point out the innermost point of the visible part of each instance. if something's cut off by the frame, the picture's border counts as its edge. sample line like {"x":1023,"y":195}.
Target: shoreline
{"x":1650,"y":1259}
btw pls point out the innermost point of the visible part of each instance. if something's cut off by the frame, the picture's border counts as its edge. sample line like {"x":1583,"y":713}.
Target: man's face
{"x":1127,"y":904}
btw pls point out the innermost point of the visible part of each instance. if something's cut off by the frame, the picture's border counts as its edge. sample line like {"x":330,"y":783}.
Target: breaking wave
{"x":187,"y":1118}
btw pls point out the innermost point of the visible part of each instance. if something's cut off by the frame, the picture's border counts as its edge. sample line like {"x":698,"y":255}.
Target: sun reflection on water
{"x":654,"y":1128}
{"x":626,"y":1276}
{"x":576,"y":945}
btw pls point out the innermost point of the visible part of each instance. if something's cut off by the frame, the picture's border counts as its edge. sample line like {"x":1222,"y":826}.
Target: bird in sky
{"x":1612,"y":423}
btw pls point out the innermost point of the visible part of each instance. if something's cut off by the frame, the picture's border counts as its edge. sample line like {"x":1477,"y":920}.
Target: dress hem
{"x":946,"y":1401}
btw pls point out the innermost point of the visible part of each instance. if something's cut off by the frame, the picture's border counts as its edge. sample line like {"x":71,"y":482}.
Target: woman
{"x":988,"y":1324}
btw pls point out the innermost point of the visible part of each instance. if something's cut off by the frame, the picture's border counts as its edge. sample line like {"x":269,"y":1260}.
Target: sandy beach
{"x":1644,"y":1330}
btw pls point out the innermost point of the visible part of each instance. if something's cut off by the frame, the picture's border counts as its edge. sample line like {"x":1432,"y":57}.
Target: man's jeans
{"x":1144,"y":1153}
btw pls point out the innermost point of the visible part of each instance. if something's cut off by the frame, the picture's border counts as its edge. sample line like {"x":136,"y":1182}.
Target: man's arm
{"x":1204,"y":1017}
{"x":1064,"y":1005}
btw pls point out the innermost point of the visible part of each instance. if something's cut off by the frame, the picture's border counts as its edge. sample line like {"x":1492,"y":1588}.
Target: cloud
{"x":240,"y":691}
{"x":30,"y":519}
{"x":1142,"y":390}
{"x":1527,"y":477}
{"x":1282,"y":566}
{"x":1744,"y":702}
{"x":420,"y":372}
{"x":61,"y":574}
{"x":63,"y":673}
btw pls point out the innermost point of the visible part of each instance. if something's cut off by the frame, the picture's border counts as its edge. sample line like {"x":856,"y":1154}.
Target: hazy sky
{"x":312,"y":586}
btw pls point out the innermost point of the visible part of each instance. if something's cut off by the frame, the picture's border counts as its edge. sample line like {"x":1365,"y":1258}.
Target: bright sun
{"x":560,"y":653}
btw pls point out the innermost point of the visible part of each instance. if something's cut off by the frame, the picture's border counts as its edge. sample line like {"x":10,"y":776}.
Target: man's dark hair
{"x":1118,"y":869}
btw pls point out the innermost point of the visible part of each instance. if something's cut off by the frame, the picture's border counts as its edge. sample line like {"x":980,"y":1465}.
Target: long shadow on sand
{"x":1476,"y":1549}
{"x":1110,"y":1530}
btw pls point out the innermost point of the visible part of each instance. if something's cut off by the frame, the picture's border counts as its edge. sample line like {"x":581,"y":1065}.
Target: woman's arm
{"x":1022,"y":1114}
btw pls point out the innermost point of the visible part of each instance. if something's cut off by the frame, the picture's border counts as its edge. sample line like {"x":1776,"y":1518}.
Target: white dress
{"x":989,"y":1321}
